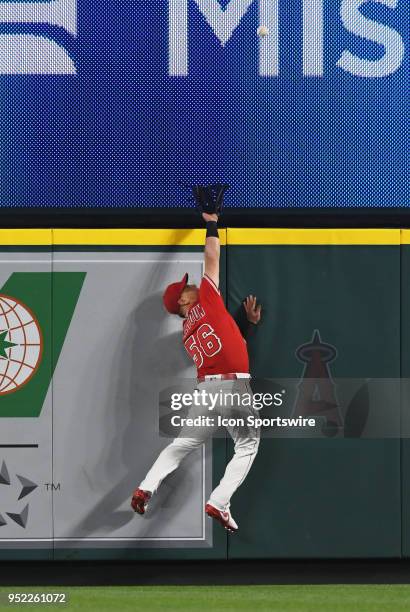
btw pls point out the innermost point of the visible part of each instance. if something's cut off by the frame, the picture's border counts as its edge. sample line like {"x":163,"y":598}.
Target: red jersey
{"x":211,"y":336}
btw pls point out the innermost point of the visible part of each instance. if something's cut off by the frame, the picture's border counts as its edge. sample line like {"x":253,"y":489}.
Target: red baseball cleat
{"x":223,"y":517}
{"x":140,"y":500}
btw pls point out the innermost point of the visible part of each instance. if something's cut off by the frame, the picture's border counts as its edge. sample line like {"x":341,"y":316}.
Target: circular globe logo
{"x":20,"y":344}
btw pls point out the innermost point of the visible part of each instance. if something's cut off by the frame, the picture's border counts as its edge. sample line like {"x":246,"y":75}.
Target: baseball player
{"x":214,"y":341}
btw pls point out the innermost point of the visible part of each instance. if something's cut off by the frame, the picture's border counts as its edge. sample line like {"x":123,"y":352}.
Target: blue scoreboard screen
{"x":295,"y":103}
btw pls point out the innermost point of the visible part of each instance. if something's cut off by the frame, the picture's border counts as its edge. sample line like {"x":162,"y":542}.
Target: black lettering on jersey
{"x":195,"y":314}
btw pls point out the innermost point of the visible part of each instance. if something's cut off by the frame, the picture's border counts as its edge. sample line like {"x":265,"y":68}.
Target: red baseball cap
{"x":173,"y":293}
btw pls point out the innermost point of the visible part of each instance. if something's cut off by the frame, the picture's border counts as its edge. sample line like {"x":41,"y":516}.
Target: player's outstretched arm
{"x":212,"y":247}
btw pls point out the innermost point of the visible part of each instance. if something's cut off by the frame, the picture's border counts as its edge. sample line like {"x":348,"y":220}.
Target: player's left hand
{"x":253,"y":311}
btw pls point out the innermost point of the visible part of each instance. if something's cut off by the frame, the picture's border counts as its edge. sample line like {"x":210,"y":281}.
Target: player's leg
{"x":236,"y":471}
{"x":167,"y":462}
{"x":246,"y":447}
{"x":169,"y":459}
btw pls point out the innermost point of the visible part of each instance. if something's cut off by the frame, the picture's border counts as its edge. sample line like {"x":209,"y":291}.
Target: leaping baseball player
{"x":218,"y":348}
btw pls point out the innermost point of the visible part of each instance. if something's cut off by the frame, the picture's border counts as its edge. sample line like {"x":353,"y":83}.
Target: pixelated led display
{"x":295,"y":103}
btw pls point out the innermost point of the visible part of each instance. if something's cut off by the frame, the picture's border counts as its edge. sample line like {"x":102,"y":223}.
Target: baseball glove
{"x":209,"y":198}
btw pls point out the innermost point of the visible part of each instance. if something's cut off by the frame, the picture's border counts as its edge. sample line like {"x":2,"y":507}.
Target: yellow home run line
{"x":196,"y":237}
{"x":313,"y":236}
{"x":405,"y":236}
{"x":132,"y":237}
{"x":25,"y":237}
{"x":105,"y":237}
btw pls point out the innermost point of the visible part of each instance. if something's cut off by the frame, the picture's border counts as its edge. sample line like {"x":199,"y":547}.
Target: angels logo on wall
{"x":317,"y":397}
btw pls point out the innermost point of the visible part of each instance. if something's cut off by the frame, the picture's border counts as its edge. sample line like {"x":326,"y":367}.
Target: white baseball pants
{"x":246,"y":446}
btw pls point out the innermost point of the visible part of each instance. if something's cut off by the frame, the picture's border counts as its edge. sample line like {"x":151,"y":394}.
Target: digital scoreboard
{"x":295,"y":103}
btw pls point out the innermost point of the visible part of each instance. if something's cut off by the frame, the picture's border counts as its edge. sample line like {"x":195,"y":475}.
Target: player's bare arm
{"x":212,"y":247}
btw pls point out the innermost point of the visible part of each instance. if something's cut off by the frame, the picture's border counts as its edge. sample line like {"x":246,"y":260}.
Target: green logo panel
{"x":51,"y":297}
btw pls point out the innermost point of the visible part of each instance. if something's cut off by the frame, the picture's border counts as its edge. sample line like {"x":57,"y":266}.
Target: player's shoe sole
{"x":224,"y":518}
{"x":139,"y":501}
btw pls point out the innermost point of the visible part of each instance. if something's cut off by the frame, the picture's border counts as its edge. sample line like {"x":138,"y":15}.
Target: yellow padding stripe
{"x":26,"y":237}
{"x":132,"y":237}
{"x":405,"y":236}
{"x":196,"y":237}
{"x":313,"y":236}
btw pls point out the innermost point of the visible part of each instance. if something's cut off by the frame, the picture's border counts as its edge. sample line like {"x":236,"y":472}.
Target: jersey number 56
{"x":203,"y":342}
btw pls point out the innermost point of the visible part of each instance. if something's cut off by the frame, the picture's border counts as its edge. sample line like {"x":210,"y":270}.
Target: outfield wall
{"x":79,"y":433}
